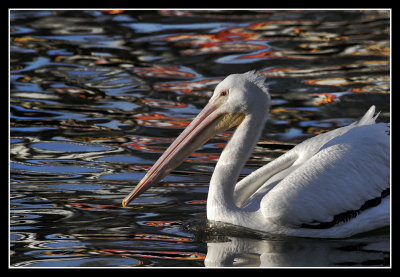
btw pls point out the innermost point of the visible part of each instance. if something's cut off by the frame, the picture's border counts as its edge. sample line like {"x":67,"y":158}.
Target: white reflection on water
{"x":297,"y":252}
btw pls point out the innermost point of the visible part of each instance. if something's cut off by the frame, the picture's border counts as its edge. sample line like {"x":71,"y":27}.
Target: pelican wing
{"x":262,"y":177}
{"x":347,"y":171}
{"x":265,"y":178}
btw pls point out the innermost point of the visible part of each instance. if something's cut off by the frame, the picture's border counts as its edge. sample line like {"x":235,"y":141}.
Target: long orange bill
{"x":195,"y":135}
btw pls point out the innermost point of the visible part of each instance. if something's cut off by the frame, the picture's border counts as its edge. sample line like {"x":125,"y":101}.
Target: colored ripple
{"x":160,"y":121}
{"x":163,"y":223}
{"x":143,"y":143}
{"x":97,"y":207}
{"x":324,"y":98}
{"x":170,"y":255}
{"x":162,"y":71}
{"x":198,"y":88}
{"x":133,"y":236}
{"x":197,"y":202}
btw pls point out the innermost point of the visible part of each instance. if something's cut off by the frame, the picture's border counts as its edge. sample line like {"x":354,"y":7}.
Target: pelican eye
{"x":224,"y":93}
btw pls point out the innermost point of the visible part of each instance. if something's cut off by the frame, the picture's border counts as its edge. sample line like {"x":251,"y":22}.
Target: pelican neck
{"x":231,"y":162}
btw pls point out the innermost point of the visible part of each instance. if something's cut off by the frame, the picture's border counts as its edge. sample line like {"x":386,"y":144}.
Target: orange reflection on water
{"x":338,"y":81}
{"x":323,"y":98}
{"x":381,"y":88}
{"x":112,"y":11}
{"x":376,"y":81}
{"x":197,"y":202}
{"x":223,"y":47}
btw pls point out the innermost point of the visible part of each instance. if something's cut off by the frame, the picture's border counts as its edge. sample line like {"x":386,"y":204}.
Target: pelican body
{"x":333,"y":185}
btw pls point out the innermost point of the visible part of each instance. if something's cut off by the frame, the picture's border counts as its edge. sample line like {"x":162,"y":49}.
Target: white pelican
{"x":333,"y":185}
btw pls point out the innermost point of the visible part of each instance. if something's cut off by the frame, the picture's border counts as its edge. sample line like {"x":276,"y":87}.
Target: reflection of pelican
{"x":333,"y":185}
{"x":293,"y":252}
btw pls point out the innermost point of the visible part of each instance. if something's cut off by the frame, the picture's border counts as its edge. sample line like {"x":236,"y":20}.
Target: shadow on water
{"x":96,"y":97}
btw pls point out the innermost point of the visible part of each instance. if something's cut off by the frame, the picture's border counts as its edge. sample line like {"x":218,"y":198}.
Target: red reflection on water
{"x":158,"y":103}
{"x":171,"y":255}
{"x":97,"y":207}
{"x":162,"y":71}
{"x":145,"y":143}
{"x":192,"y":87}
{"x":197,"y":202}
{"x":237,"y":39}
{"x":203,"y":158}
{"x":163,"y":223}
{"x":161,"y":121}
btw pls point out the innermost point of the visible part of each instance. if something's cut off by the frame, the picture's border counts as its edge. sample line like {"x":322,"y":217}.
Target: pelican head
{"x":237,"y":96}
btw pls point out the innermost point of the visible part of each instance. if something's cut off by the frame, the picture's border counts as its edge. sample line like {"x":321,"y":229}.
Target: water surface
{"x":97,"y":96}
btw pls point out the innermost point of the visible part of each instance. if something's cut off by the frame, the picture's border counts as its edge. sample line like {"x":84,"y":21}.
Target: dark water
{"x":97,"y":96}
